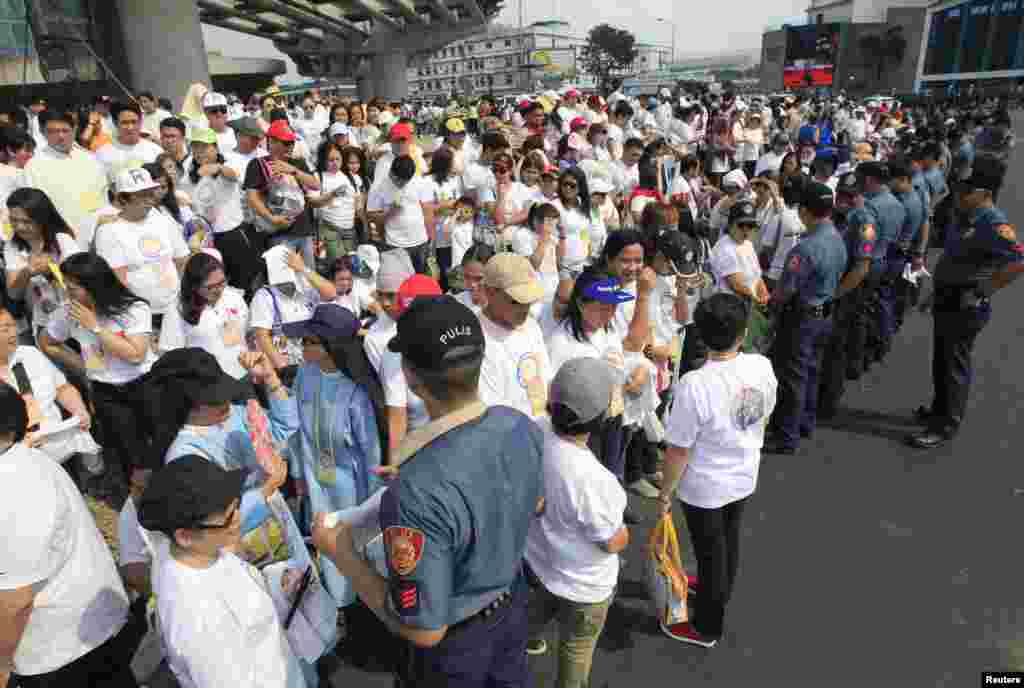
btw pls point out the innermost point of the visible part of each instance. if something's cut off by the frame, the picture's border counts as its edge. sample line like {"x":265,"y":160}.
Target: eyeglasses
{"x":228,"y":520}
{"x":219,"y":110}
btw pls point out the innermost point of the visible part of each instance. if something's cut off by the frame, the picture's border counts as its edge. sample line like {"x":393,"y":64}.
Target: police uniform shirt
{"x":975,"y":252}
{"x":455,"y":520}
{"x":936,"y":180}
{"x":921,"y":187}
{"x":815,"y":266}
{"x":860,"y":235}
{"x":890,"y":215}
{"x":916,"y":216}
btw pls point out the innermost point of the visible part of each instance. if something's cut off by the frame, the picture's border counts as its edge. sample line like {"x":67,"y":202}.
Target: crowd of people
{"x":377,"y":377}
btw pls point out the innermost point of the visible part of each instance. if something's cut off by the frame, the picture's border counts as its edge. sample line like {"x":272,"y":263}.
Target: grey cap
{"x":584,"y":386}
{"x":395,"y":267}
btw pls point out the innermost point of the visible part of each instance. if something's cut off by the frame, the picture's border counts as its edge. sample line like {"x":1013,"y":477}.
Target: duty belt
{"x":502,"y":600}
{"x":821,"y":311}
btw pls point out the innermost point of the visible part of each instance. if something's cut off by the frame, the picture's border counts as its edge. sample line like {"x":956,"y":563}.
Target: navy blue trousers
{"x":796,"y":356}
{"x":956,"y":330}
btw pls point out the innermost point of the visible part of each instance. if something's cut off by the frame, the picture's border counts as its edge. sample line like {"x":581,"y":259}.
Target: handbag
{"x":666,"y":578}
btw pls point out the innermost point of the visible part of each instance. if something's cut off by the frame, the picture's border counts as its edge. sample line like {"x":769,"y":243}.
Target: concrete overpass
{"x":370,"y":41}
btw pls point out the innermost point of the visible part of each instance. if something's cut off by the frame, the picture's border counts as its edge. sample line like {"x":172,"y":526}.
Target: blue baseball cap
{"x":607,"y":291}
{"x":329,"y":320}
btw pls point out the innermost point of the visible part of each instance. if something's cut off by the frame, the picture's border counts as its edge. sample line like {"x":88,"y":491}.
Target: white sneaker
{"x":644,"y":488}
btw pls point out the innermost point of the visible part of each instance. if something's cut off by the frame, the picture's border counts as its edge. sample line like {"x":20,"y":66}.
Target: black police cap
{"x":873,"y":168}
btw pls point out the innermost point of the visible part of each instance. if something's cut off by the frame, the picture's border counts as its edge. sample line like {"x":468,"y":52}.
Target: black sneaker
{"x":536,"y":646}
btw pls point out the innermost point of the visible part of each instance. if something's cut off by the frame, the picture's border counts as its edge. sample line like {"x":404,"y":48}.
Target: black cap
{"x":817,"y":198}
{"x":900,"y":167}
{"x":329,"y":321}
{"x":679,"y":248}
{"x":873,"y":168}
{"x":185,"y":492}
{"x":987,"y":173}
{"x":199,"y":376}
{"x":437,"y":333}
{"x":850,"y":183}
{"x":743,"y":211}
{"x":793,"y":189}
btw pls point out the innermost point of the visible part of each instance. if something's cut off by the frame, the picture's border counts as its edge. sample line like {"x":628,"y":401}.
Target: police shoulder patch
{"x":405,"y":595}
{"x":1008,"y":232}
{"x":868,"y":233}
{"x":404,"y":547}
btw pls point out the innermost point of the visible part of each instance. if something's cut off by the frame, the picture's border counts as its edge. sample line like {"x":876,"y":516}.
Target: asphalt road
{"x":864,"y":562}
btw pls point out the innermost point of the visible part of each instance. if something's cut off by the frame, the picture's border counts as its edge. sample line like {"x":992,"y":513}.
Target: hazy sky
{"x":701,"y":28}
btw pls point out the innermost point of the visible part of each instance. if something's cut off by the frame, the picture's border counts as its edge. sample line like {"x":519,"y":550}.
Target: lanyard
{"x":316,"y":423}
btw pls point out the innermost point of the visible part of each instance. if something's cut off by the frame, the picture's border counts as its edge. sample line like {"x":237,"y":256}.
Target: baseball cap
{"x":742,"y":212}
{"x":212,"y":100}
{"x":817,"y":197}
{"x":514,"y":275}
{"x":578,"y":123}
{"x":437,"y":333}
{"x":680,"y":249}
{"x":247,"y":126}
{"x":328,"y":320}
{"x":202,"y":135}
{"x":585,"y":386}
{"x":197,"y":372}
{"x":339,"y":129}
{"x":281,"y":131}
{"x":185,"y":492}
{"x":400,"y":132}
{"x":735,"y":179}
{"x":607,"y":291}
{"x":572,"y":93}
{"x":134,"y":180}
{"x":872,"y":168}
{"x":414,"y":287}
{"x":454,"y":125}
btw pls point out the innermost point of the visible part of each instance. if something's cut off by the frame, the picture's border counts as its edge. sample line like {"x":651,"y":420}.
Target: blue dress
{"x":335,"y":452}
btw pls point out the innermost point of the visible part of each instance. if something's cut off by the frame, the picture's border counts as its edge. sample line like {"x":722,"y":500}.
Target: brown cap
{"x":514,"y":275}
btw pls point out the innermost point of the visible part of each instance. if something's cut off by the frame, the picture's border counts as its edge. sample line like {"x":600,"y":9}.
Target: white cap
{"x":665,"y":93}
{"x":134,"y":180}
{"x":735,"y":178}
{"x":553,"y":95}
{"x":212,"y":99}
{"x":339,"y":129}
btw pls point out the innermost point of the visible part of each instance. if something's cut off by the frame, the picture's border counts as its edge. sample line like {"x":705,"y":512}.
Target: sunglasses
{"x":570,"y":185}
{"x":217,"y":526}
{"x":219,"y":110}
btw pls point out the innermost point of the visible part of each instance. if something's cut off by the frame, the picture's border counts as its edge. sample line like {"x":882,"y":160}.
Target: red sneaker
{"x":692,"y":585}
{"x":686,"y":633}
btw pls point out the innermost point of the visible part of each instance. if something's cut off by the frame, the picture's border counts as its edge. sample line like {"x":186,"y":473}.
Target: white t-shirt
{"x":785,"y":231}
{"x":681,"y":186}
{"x":100,"y":366}
{"x":575,"y":226}
{"x":44,"y":377}
{"x":220,"y":331}
{"x":87,"y":230}
{"x":408,"y":228}
{"x":220,"y":627}
{"x":116,"y":157}
{"x":218,"y":200}
{"x":226,"y":140}
{"x":603,"y":344}
{"x":51,"y":542}
{"x":40,"y":292}
{"x":388,"y":365}
{"x":516,"y":370}
{"x":271,"y":308}
{"x":583,"y":508}
{"x":449,"y":190}
{"x":357,"y":301}
{"x":719,"y":413}
{"x":132,"y":548}
{"x":524,"y":242}
{"x":148,"y":249}
{"x":730,"y":258}
{"x":340,"y":212}
{"x":663,"y":310}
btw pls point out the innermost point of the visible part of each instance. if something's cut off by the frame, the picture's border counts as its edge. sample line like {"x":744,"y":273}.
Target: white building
{"x":856,"y":11}
{"x":501,"y":60}
{"x":650,"y":57}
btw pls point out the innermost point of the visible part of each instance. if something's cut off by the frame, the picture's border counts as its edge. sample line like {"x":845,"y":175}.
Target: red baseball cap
{"x":281,"y":131}
{"x":578,"y":123}
{"x":415,"y":286}
{"x":401,"y":132}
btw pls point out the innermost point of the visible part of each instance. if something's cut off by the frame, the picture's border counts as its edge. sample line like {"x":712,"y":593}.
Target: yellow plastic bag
{"x":666,"y":578}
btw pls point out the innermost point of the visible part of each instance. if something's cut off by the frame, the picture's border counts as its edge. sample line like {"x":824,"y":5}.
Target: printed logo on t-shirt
{"x":529,"y":374}
{"x":748,"y":408}
{"x":150,"y":247}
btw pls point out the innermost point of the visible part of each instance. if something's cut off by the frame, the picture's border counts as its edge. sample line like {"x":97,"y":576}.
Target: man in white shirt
{"x":152,"y":115}
{"x":63,"y":608}
{"x":70,"y":175}
{"x":128,"y":150}
{"x":714,"y":434}
{"x":215,"y":106}
{"x":771,"y":161}
{"x":401,"y":144}
{"x":242,"y":261}
{"x":516,"y":370}
{"x":401,"y":202}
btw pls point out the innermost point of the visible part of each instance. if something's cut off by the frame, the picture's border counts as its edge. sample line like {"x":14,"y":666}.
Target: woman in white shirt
{"x":341,"y":199}
{"x":734,"y":260}
{"x":473,"y":294}
{"x":574,"y":225}
{"x":218,"y":620}
{"x":209,"y":315}
{"x":212,"y":184}
{"x":354,"y":295}
{"x":572,"y":548}
{"x":41,"y":239}
{"x":448,"y":189}
{"x":113,"y":327}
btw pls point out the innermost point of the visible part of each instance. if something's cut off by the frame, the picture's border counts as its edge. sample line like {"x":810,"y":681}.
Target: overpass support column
{"x":164,"y":45}
{"x":387,"y":77}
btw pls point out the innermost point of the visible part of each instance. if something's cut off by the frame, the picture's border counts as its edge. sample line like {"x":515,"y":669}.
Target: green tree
{"x":607,"y":50}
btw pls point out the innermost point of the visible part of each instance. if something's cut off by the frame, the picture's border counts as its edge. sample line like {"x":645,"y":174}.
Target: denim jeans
{"x":579,"y":627}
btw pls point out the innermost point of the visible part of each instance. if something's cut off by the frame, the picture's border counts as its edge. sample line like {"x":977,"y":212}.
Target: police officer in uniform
{"x":455,"y":518}
{"x":844,"y":356}
{"x":890,"y":216}
{"x":911,"y":244}
{"x":983,"y":255}
{"x":804,"y":297}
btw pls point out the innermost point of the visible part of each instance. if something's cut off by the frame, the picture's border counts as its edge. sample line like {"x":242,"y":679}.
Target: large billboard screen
{"x":811,"y":53}
{"x":979,"y":36}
